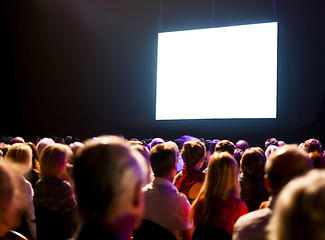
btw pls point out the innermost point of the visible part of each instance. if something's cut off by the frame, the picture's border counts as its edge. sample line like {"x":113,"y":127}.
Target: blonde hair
{"x":299,"y":209}
{"x":54,"y":159}
{"x":21,"y":154}
{"x":220,"y":183}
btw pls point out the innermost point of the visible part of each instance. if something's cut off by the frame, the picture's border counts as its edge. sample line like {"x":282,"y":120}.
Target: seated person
{"x":225,"y":146}
{"x":21,"y":155}
{"x":164,"y":204}
{"x":253,"y":191}
{"x":219,"y":204}
{"x":9,"y":204}
{"x":284,"y":164}
{"x":190,"y":180}
{"x":109,"y":176}
{"x":54,"y":200}
{"x":299,"y":211}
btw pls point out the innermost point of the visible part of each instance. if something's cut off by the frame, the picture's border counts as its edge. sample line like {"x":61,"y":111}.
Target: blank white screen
{"x":226,"y":72}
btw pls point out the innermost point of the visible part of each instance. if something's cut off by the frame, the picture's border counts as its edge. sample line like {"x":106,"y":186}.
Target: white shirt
{"x":166,"y":206}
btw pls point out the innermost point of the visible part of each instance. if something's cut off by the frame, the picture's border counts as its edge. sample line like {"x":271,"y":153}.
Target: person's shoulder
{"x":254,"y":218}
{"x":252,"y":226}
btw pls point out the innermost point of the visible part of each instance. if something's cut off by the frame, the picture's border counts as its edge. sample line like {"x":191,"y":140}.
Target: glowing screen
{"x":225,"y":72}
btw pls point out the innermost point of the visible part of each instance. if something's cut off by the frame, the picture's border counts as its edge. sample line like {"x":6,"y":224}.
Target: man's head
{"x":284,"y":164}
{"x":108,"y":177}
{"x":163,"y":159}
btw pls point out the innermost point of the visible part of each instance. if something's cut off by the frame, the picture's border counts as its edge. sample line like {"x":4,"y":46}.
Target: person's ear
{"x":137,"y":205}
{"x":137,"y":198}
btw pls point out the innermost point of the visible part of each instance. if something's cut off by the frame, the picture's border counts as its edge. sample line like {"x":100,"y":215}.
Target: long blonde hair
{"x":220,"y":183}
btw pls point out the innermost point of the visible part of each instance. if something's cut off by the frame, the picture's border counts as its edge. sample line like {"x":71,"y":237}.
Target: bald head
{"x":284,"y":164}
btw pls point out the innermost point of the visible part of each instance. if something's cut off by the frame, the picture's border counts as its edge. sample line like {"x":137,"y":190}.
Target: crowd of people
{"x":108,"y":187}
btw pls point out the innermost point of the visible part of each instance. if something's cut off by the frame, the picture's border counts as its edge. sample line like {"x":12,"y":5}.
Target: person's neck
{"x":123,"y":227}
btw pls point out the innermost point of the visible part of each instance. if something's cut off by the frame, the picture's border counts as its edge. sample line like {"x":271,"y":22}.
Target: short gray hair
{"x":106,"y":173}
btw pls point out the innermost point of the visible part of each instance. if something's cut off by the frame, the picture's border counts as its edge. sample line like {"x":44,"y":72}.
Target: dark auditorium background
{"x":88,"y":67}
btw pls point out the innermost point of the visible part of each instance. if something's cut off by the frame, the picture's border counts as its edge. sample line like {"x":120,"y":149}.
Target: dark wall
{"x":88,"y":67}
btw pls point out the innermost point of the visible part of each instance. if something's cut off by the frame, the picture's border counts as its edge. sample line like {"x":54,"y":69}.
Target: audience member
{"x":109,"y":176}
{"x":271,"y":141}
{"x":166,"y":206}
{"x":139,"y":146}
{"x":299,"y":211}
{"x":312,"y":145}
{"x":55,"y":205}
{"x":238,"y":153}
{"x":21,"y":154}
{"x":17,"y":140}
{"x":33,"y":174}
{"x":269,"y":150}
{"x":9,"y":205}
{"x":33,"y":138}
{"x":242,"y":144}
{"x":253,"y":191}
{"x":213,"y":144}
{"x":218,"y":203}
{"x":154,"y":142}
{"x":75,"y":146}
{"x":225,"y":146}
{"x":44,"y":142}
{"x":190,"y":180}
{"x":283,"y":165}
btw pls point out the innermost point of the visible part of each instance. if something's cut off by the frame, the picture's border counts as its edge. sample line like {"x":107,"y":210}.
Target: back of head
{"x":42,"y":144}
{"x":299,"y":211}
{"x":17,"y":140}
{"x":242,"y":144}
{"x":271,"y":141}
{"x":192,"y":152}
{"x":312,"y":145}
{"x":284,"y":164}
{"x":54,"y":159}
{"x":253,"y":162}
{"x":225,"y":146}
{"x":154,"y":142}
{"x":222,"y":176}
{"x":21,"y":154}
{"x":213,"y":144}
{"x":10,"y":200}
{"x":220,"y":183}
{"x":106,"y":173}
{"x":163,"y":159}
{"x":269,"y":150}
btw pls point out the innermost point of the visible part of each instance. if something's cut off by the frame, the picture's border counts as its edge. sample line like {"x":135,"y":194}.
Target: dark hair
{"x":225,"y":146}
{"x":162,"y":158}
{"x":253,"y":161}
{"x":192,"y":152}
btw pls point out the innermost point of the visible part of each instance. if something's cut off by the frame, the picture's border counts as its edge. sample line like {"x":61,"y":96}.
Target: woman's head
{"x":193,"y":152}
{"x":54,"y":159}
{"x":253,"y":162}
{"x":220,"y":183}
{"x":20,"y":154}
{"x":222,"y":176}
